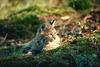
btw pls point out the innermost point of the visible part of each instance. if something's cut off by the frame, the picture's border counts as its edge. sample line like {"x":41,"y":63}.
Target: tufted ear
{"x":53,"y":22}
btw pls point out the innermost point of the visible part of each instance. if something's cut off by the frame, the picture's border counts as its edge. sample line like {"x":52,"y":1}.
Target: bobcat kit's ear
{"x":53,"y":22}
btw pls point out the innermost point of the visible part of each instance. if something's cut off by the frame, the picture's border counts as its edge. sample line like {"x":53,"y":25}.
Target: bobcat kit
{"x":46,"y":39}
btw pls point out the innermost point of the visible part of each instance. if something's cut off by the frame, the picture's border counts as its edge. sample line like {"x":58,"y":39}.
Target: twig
{"x":3,"y":39}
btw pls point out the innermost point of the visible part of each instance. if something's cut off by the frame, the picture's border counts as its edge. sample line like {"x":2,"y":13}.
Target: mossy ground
{"x":80,"y":53}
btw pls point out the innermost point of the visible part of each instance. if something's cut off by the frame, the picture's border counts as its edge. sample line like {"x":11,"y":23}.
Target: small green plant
{"x":82,"y":41}
{"x":80,"y":4}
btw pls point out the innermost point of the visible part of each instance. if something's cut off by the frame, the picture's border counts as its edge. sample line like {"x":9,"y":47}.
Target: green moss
{"x":80,"y":4}
{"x":76,"y":53}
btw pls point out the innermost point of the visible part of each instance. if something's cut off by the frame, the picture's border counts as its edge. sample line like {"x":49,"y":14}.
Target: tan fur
{"x":54,"y":44}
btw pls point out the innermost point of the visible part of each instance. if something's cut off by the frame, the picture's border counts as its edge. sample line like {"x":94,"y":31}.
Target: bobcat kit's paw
{"x":28,"y":54}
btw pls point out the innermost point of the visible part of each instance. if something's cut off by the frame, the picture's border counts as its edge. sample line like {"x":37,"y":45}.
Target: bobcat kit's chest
{"x":55,"y":43}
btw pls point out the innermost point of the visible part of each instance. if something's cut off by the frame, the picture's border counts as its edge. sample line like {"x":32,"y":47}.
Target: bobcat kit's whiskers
{"x":46,"y":39}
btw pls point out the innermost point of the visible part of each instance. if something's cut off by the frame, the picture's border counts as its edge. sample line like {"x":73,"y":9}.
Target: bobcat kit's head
{"x":48,"y":30}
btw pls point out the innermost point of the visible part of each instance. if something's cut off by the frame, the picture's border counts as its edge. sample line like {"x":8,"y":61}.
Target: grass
{"x":39,"y":8}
